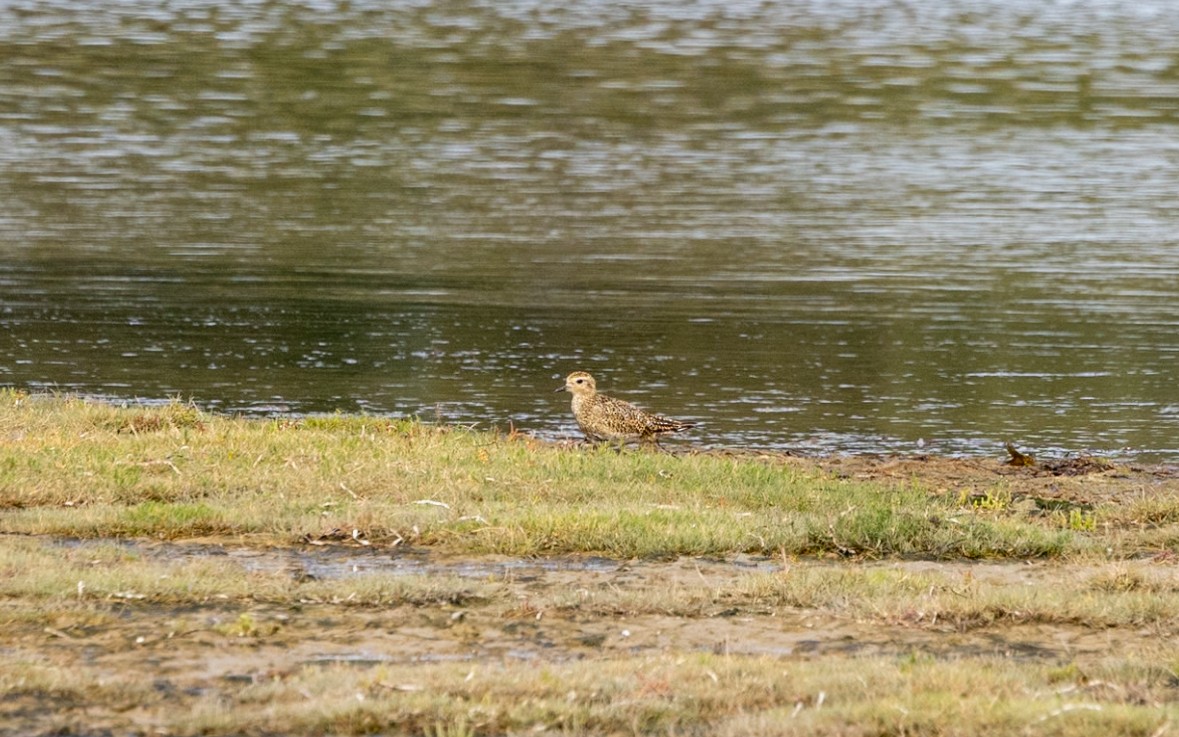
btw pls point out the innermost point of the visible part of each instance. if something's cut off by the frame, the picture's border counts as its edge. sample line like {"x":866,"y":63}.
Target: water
{"x":829,"y":226}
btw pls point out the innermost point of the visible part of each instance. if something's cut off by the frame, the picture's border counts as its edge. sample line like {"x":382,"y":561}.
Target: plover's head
{"x":579,"y":382}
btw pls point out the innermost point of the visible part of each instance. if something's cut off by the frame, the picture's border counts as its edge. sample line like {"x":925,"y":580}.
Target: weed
{"x":992,"y":500}
{"x":1081,"y":521}
{"x":457,"y":728}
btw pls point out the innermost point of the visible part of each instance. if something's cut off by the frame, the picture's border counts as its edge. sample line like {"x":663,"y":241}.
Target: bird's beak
{"x":561,"y":389}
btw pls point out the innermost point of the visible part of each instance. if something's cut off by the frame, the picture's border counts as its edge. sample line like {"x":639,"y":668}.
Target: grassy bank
{"x":75,"y":468}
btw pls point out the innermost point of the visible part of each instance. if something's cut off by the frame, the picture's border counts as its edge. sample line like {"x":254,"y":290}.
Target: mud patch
{"x":150,"y":659}
{"x":536,"y":615}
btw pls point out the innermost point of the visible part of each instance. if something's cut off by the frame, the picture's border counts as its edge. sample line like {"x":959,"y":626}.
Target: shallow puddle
{"x":342,"y":561}
{"x":537,"y":612}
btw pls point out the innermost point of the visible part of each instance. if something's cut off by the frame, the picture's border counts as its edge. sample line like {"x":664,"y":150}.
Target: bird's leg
{"x":658,"y":447}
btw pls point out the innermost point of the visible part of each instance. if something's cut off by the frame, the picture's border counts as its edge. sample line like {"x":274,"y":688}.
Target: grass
{"x":97,"y":629}
{"x":48,"y":575}
{"x":725,"y":695}
{"x":154,"y":578}
{"x":75,"y":468}
{"x":33,"y":569}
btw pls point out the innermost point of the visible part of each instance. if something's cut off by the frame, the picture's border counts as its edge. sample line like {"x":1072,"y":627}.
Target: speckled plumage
{"x":605,"y":418}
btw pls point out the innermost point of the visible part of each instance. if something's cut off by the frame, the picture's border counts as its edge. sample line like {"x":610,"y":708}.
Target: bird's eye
{"x":579,"y":381}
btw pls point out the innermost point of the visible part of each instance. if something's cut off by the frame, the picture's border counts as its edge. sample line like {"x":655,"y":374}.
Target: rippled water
{"x":834,"y":226}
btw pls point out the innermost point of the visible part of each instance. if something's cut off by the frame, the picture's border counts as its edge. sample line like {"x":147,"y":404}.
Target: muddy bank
{"x":536,"y":614}
{"x":1077,"y":479}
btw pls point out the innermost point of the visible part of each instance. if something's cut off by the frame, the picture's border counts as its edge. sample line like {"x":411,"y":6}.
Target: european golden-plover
{"x":603,"y":418}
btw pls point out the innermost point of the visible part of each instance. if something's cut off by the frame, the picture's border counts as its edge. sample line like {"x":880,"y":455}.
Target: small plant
{"x":913,"y":660}
{"x":457,"y":728}
{"x":1080,"y":520}
{"x":12,"y":395}
{"x":1068,"y":673}
{"x":246,"y":626}
{"x":1119,"y":581}
{"x":994,"y":500}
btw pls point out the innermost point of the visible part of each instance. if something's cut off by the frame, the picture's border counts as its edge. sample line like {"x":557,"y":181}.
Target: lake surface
{"x":830,"y":226}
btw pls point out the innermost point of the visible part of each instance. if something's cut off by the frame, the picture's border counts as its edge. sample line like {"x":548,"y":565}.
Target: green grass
{"x":76,"y":468}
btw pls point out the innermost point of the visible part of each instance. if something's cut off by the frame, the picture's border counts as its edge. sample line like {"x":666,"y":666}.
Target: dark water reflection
{"x":834,"y":226}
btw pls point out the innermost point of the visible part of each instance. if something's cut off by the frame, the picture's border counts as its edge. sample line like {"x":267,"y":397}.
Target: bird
{"x":603,"y":418}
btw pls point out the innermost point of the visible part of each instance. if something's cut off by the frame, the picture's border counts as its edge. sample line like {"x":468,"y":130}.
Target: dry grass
{"x":729,"y":695}
{"x":658,"y":695}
